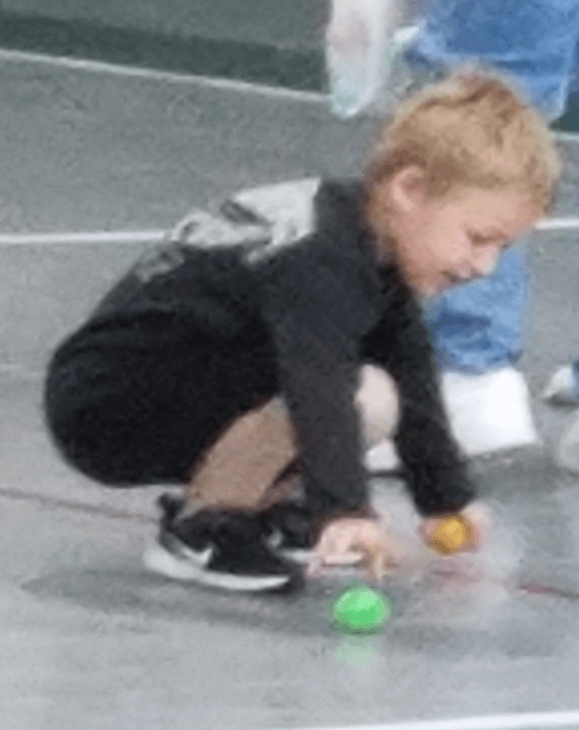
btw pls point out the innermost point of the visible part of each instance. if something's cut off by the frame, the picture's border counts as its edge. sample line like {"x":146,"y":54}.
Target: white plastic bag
{"x":360,"y":44}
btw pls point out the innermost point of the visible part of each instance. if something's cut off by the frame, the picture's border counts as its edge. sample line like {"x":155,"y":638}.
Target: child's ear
{"x":407,"y":189}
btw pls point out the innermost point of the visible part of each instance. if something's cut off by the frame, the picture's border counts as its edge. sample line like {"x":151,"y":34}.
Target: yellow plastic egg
{"x":451,"y":534}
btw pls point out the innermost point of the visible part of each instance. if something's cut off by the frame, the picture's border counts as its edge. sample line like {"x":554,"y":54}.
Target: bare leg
{"x":377,"y":403}
{"x":245,"y":462}
{"x":242,"y":468}
{"x":285,"y":488}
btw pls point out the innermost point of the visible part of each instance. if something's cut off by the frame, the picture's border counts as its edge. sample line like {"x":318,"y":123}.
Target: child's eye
{"x":479,"y":240}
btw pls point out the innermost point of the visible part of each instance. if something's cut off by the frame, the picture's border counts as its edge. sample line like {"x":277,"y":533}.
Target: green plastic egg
{"x":361,"y":609}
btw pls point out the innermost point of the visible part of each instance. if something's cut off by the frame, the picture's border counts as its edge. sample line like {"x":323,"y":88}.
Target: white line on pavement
{"x":157,"y":234}
{"x":558,"y":224}
{"x":80,"y":237}
{"x":118,"y":69}
{"x":170,"y":77}
{"x":547,"y":720}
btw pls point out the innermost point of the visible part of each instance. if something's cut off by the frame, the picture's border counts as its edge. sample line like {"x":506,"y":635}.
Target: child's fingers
{"x":332,"y":542}
{"x":381,"y":557}
{"x":317,"y":563}
{"x":315,"y":567}
{"x":337,"y":539}
{"x":333,"y":545}
{"x":375,"y":567}
{"x":332,"y":552}
{"x":348,"y":557}
{"x":351,"y":541}
{"x":480,"y":517}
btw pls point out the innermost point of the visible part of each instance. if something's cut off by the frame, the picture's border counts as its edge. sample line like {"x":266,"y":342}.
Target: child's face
{"x":444,"y":241}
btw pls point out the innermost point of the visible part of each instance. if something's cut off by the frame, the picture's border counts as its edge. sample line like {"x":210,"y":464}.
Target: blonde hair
{"x":471,"y":129}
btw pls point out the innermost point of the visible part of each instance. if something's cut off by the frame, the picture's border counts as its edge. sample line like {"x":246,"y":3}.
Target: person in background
{"x":563,"y":390}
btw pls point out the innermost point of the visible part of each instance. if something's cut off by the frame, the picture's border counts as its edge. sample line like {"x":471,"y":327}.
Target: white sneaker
{"x":561,"y":388}
{"x":487,"y":413}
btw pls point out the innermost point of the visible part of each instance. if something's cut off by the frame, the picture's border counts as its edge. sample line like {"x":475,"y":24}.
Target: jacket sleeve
{"x":436,"y":471}
{"x":309,"y":314}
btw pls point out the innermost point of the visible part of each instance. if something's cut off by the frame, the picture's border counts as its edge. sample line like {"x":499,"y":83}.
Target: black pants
{"x":145,"y":418}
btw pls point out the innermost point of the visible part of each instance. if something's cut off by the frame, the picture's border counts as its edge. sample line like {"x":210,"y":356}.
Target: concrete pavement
{"x":89,"y":639}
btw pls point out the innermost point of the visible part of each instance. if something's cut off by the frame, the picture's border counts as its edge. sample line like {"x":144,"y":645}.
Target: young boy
{"x":254,"y":347}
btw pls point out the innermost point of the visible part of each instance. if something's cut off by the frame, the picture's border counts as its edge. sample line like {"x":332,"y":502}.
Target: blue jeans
{"x":478,"y":327}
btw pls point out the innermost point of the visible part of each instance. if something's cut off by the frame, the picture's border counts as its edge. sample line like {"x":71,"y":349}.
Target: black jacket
{"x":325,"y":307}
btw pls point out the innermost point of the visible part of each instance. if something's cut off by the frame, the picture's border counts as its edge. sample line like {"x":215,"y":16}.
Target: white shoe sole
{"x":298,"y":555}
{"x":159,"y":560}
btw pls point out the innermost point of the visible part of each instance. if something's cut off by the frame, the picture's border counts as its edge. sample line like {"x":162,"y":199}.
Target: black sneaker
{"x":220,"y":549}
{"x":288,"y":530}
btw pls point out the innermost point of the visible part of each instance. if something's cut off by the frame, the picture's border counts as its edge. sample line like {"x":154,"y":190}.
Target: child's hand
{"x":351,"y":540}
{"x":478,"y":517}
